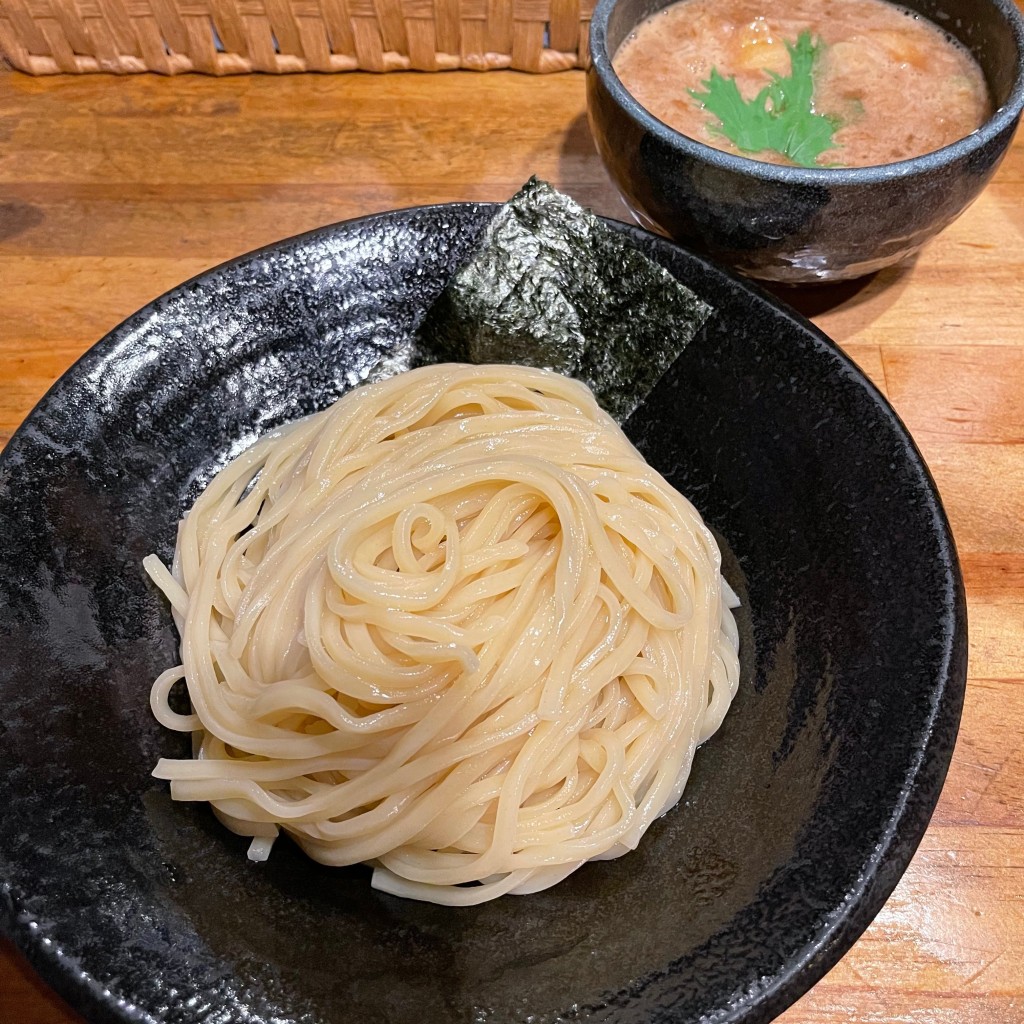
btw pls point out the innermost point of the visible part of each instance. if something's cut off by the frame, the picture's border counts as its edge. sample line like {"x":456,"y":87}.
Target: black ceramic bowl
{"x":795,"y":224}
{"x":801,"y":812}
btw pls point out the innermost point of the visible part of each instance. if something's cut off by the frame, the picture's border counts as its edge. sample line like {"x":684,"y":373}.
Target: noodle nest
{"x":454,"y":627}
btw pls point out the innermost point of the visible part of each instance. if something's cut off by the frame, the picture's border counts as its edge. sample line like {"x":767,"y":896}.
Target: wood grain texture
{"x":114,"y":190}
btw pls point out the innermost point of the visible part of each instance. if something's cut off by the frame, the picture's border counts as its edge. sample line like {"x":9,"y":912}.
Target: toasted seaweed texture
{"x":550,"y":285}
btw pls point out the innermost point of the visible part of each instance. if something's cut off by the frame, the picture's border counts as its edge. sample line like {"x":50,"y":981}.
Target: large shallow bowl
{"x":802,"y":812}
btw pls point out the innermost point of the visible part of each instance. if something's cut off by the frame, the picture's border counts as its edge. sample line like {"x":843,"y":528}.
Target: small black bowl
{"x":796,"y":224}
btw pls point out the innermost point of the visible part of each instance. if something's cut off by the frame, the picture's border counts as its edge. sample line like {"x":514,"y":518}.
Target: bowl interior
{"x":800,"y":816}
{"x":993,"y":31}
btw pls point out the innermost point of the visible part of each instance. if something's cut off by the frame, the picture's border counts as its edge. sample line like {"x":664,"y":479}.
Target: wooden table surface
{"x":114,"y":190}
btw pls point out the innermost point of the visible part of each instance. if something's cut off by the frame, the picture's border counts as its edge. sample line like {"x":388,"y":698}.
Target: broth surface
{"x":898,"y":85}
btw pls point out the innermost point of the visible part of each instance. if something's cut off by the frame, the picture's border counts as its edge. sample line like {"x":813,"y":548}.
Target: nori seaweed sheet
{"x":551,"y":286}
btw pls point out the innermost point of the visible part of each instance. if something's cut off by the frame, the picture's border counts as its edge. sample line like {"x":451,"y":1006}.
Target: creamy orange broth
{"x":898,"y":84}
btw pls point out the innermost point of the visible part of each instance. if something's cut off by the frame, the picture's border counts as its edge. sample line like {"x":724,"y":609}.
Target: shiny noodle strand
{"x":454,"y":627}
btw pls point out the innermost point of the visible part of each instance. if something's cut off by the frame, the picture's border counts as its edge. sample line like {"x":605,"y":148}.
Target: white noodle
{"x":453,"y":626}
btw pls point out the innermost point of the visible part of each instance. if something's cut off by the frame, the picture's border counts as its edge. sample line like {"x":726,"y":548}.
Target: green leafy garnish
{"x":781,"y":116}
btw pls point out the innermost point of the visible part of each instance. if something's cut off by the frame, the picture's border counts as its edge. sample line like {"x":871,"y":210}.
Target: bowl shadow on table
{"x":17,"y":217}
{"x":882,"y":289}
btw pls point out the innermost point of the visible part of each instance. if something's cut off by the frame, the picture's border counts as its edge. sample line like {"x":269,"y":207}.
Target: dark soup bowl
{"x":798,"y":224}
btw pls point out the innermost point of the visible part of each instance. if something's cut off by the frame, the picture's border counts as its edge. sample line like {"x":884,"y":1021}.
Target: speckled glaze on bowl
{"x":801,"y":813}
{"x":796,"y":224}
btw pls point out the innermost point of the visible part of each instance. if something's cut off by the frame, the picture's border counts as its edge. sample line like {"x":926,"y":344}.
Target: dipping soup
{"x":881,"y":83}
